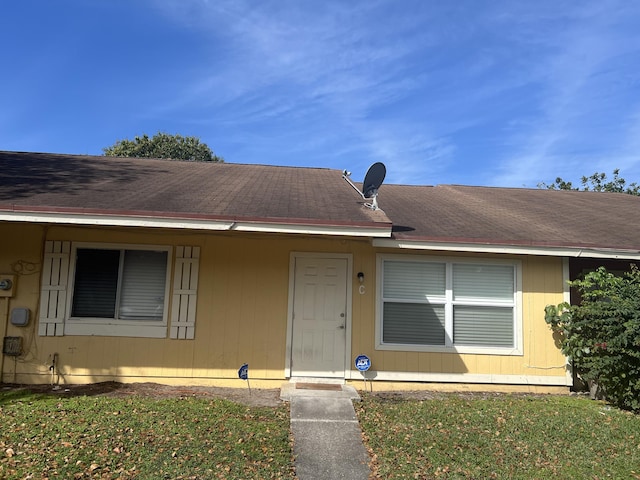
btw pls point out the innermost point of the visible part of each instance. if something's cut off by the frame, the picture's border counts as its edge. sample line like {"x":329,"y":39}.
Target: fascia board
{"x":116,"y":220}
{"x":577,"y":252}
{"x":194,"y":224}
{"x":336,"y":230}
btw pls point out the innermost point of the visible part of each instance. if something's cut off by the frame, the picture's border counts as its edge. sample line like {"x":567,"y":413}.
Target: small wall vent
{"x":12,"y":346}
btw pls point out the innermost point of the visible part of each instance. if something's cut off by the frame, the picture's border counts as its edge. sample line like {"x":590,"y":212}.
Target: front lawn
{"x":45,"y":436}
{"x":445,"y":436}
{"x":499,"y":436}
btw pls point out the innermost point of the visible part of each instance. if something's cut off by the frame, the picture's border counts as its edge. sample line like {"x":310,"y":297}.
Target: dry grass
{"x":499,"y":436}
{"x":46,"y":436}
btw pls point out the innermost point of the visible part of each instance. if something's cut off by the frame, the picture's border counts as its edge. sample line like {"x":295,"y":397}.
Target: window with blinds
{"x":483,"y":305}
{"x":414,"y":296}
{"x":448,"y":303}
{"x":119,"y":284}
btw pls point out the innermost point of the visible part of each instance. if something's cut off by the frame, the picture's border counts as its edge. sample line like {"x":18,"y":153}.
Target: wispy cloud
{"x":338,"y":63}
{"x":564,"y":135}
{"x":472,"y":92}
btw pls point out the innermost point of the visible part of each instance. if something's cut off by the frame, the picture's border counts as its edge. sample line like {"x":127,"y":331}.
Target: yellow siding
{"x":541,"y":284}
{"x":242,"y":314}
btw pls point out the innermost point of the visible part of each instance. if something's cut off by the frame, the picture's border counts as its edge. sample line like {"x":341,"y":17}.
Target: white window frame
{"x":111,"y":326}
{"x":449,"y":347}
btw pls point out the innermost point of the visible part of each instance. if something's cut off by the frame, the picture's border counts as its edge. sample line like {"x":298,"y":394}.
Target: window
{"x":119,"y":291}
{"x":443,"y":305}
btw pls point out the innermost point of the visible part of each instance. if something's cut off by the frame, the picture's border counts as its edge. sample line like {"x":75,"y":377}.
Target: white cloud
{"x":512,"y":94}
{"x":325,"y":57}
{"x":565,"y":138}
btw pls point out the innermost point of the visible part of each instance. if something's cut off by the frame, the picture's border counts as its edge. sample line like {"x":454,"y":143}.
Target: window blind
{"x":414,"y":281}
{"x":411,"y":323}
{"x":448,"y":303}
{"x":143,"y":285}
{"x":483,"y":326}
{"x":96,"y":283}
{"x":492,"y":282}
{"x":137,"y":291}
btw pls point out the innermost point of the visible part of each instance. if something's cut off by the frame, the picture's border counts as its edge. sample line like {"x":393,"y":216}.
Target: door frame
{"x":292,"y":280}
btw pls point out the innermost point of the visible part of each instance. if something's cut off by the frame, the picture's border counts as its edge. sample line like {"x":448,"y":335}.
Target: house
{"x":180,"y":272}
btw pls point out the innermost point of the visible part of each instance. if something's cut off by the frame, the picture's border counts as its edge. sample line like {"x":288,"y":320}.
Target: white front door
{"x":319,"y":317}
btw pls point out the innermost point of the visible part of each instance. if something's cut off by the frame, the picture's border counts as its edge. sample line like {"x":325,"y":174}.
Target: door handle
{"x":341,"y":327}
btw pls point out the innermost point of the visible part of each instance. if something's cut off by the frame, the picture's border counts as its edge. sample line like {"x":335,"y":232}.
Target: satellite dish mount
{"x":372,"y":181}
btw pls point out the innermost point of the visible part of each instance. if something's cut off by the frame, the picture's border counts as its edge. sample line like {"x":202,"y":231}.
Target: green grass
{"x":143,"y":438}
{"x":504,"y":436}
{"x":451,"y":436}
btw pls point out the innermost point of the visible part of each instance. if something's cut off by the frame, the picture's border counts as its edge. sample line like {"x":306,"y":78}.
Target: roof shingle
{"x":513,"y":216}
{"x":174,"y":188}
{"x":316,"y":196}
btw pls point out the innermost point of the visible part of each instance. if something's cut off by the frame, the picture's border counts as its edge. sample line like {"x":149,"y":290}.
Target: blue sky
{"x":499,"y":93}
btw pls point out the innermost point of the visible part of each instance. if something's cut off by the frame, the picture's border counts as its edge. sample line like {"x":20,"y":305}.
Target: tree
{"x":163,"y":145}
{"x":597,"y":182}
{"x":601,"y":335}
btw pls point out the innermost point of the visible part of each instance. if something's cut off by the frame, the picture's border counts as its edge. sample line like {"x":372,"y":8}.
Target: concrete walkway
{"x":327,"y":440}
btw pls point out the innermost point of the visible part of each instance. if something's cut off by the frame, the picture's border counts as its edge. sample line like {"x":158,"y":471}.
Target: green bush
{"x":601,"y":335}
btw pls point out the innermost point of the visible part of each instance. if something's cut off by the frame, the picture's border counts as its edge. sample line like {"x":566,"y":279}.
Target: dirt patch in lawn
{"x":258,"y":397}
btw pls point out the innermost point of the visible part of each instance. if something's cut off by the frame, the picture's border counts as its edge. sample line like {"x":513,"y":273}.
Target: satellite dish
{"x":372,"y":181}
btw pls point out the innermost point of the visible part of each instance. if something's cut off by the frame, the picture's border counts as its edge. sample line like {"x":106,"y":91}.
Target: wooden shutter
{"x":53,"y":294}
{"x":185,"y":289}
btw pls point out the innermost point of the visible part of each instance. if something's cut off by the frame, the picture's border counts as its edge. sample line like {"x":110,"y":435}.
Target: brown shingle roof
{"x":65,"y":184}
{"x":167,"y":188}
{"x":513,"y":216}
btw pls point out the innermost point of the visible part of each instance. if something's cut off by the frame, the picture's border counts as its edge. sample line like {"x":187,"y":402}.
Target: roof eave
{"x":575,"y":251}
{"x":170,"y":220}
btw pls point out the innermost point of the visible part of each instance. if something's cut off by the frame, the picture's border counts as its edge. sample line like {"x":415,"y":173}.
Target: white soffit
{"x":193,"y":224}
{"x":510,"y":249}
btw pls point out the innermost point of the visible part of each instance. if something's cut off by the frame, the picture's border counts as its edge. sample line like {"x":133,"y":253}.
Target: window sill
{"x":508,"y":351}
{"x":115,"y":330}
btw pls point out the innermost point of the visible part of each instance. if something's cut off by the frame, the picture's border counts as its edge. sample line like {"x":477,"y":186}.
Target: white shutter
{"x":185,"y":289}
{"x":53,"y":294}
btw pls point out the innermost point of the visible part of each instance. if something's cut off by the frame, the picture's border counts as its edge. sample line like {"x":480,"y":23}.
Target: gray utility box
{"x":20,"y":317}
